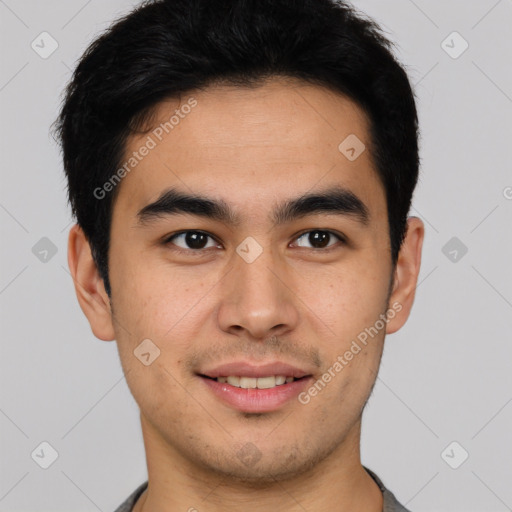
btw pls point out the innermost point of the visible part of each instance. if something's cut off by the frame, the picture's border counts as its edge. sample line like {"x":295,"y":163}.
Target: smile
{"x":268,"y":382}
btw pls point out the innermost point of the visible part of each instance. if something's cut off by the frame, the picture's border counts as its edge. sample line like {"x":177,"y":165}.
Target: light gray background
{"x":446,"y":376}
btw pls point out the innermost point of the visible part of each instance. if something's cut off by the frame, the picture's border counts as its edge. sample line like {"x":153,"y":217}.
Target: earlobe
{"x":406,"y":274}
{"x":89,"y":286}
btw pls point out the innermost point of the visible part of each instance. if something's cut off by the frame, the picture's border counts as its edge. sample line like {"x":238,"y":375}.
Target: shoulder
{"x":128,"y":504}
{"x":391,"y":504}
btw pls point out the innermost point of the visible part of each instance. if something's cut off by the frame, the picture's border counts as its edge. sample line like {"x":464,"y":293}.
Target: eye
{"x":191,"y":240}
{"x":318,"y":239}
{"x":196,"y":241}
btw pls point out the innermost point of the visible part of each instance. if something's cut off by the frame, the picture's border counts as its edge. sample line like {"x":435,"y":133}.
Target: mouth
{"x":255,"y":389}
{"x":268,"y":382}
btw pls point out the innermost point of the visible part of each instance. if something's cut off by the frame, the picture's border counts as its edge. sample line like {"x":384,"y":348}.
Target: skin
{"x":253,"y":148}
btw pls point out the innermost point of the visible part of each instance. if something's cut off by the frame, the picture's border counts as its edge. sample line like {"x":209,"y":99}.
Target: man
{"x":241,"y":173}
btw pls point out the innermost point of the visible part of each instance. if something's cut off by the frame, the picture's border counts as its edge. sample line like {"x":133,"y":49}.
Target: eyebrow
{"x":335,"y":200}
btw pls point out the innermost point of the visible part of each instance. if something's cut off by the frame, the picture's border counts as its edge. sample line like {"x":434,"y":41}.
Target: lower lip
{"x":256,"y":400}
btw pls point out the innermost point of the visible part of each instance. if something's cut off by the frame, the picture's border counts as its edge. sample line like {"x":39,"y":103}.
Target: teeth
{"x":248,"y":382}
{"x":234,"y":381}
{"x":266,"y":382}
{"x":252,"y":382}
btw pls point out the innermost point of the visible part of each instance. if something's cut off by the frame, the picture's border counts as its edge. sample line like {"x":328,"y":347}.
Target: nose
{"x":257,"y":299}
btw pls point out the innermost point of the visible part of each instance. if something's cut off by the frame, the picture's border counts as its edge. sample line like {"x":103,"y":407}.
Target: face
{"x":245,"y":243}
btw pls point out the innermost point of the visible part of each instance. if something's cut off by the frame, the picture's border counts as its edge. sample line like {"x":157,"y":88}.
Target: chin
{"x":277,"y":466}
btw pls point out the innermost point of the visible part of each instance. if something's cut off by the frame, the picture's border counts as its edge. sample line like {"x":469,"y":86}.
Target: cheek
{"x":152,"y":297}
{"x":166,"y":306}
{"x":347,"y":299}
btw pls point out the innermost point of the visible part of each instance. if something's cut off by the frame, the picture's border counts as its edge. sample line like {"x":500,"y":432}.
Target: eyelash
{"x":328,"y":249}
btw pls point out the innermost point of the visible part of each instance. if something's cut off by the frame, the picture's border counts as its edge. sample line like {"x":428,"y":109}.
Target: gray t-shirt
{"x":390,"y":502}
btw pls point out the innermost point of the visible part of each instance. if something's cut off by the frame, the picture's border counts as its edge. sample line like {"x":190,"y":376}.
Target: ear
{"x":406,"y":274}
{"x":89,"y":287}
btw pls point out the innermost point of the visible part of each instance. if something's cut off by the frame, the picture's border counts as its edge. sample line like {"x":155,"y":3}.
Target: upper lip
{"x":244,"y":369}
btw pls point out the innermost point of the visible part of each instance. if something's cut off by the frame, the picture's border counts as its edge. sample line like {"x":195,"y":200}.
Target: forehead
{"x":252,"y":146}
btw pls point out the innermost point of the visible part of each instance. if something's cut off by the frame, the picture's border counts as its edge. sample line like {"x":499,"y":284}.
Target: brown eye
{"x":192,"y":240}
{"x":318,"y":239}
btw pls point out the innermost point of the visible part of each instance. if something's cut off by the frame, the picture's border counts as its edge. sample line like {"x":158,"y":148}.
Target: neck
{"x":178,"y":484}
